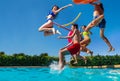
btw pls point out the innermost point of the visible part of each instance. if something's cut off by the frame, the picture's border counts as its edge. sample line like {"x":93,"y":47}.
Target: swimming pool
{"x":68,"y":74}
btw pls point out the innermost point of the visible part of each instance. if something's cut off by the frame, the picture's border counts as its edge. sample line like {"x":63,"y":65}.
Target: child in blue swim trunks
{"x":99,"y":21}
{"x":102,"y":23}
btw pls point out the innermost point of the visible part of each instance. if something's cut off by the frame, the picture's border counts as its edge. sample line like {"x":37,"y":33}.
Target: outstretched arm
{"x":67,"y":45}
{"x":61,"y":26}
{"x":66,"y":37}
{"x":63,"y":8}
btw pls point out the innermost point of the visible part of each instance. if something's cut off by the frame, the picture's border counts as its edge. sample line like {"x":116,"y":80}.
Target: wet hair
{"x":55,"y":6}
{"x":101,"y":6}
{"x":75,"y":25}
{"x":57,"y":9}
{"x":83,"y":26}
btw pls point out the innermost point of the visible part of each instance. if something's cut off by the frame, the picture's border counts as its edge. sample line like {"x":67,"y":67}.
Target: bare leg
{"x":48,"y":33}
{"x":106,"y":40}
{"x":85,"y":41}
{"x":94,"y":22}
{"x":75,"y":57}
{"x":47,"y":29}
{"x":61,"y":57}
{"x":47,"y":26}
{"x":81,"y":57}
{"x":88,"y":51}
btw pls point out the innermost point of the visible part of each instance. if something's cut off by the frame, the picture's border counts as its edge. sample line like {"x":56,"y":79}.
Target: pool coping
{"x":23,"y":66}
{"x":104,"y":66}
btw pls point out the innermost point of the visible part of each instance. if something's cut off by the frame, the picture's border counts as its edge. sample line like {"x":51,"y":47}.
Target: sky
{"x":20,"y":20}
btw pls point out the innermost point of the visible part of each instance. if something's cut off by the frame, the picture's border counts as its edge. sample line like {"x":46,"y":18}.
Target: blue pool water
{"x":68,"y":74}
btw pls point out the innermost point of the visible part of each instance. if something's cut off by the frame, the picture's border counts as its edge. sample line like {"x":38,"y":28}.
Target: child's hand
{"x":62,"y":48}
{"x":59,"y":37}
{"x":90,"y":2}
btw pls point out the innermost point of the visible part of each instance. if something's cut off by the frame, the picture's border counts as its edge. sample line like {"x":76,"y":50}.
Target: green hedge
{"x":43,"y":59}
{"x":98,"y":60}
{"x":26,"y":60}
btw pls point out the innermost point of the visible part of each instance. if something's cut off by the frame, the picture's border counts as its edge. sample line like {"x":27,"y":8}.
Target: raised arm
{"x":63,"y":8}
{"x":61,"y":26}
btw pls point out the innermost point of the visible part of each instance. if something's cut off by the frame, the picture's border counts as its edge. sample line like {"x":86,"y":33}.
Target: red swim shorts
{"x":74,"y":48}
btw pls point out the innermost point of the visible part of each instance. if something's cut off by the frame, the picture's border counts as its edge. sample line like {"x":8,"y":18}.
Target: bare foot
{"x":85,"y":60}
{"x":111,"y":49}
{"x":61,"y":66}
{"x":58,"y":32}
{"x":91,"y":53}
{"x":47,"y":33}
{"x":53,"y":30}
{"x":75,"y":62}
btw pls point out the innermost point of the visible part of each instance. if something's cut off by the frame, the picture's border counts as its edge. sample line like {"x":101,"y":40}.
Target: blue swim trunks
{"x":102,"y":24}
{"x":49,"y":19}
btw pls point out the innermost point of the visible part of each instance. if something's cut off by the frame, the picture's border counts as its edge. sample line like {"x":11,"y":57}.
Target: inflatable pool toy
{"x":74,"y":20}
{"x":83,"y":1}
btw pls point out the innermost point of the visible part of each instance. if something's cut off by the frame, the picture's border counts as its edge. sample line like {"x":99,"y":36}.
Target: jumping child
{"x":48,"y":26}
{"x":100,"y":21}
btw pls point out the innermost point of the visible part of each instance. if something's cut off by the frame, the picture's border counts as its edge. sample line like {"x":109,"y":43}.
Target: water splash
{"x":55,"y":68}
